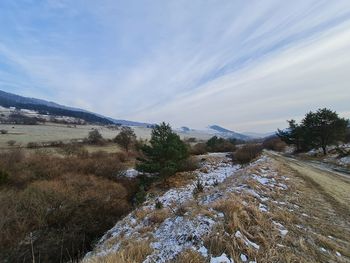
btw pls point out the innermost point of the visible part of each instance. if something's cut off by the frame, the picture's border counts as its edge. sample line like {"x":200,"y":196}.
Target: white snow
{"x":131,"y":173}
{"x":263,"y":208}
{"x":221,"y":259}
{"x":238,"y":234}
{"x":176,"y":234}
{"x":283,"y":231}
{"x":203,"y":251}
{"x":243,"y":257}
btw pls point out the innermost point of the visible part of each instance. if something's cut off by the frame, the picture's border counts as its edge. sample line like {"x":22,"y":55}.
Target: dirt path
{"x":335,"y":186}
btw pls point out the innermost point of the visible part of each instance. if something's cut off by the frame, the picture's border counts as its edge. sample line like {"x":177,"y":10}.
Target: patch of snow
{"x":131,"y":173}
{"x":243,"y":257}
{"x":337,"y":253}
{"x":323,"y":249}
{"x":263,"y":208}
{"x":281,"y":228}
{"x":176,"y":234}
{"x":344,"y":160}
{"x":238,"y":234}
{"x":203,"y":251}
{"x":221,"y":259}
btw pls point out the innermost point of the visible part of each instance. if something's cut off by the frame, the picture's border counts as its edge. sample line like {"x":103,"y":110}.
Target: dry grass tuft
{"x":159,"y":215}
{"x":130,"y":252}
{"x":189,"y":256}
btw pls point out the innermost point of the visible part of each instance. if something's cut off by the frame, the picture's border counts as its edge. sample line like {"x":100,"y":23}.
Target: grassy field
{"x":24,"y":134}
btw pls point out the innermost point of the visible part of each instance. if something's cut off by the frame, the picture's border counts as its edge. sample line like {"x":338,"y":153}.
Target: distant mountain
{"x":259,"y":135}
{"x":228,"y":133}
{"x":8,"y":100}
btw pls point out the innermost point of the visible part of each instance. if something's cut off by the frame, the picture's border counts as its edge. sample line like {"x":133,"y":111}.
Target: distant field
{"x":23,"y":134}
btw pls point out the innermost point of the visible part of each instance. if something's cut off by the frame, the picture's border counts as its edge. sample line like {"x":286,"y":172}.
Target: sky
{"x":245,"y":65}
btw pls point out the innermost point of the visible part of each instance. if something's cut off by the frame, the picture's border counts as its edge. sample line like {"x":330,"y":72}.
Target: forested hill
{"x":8,"y":100}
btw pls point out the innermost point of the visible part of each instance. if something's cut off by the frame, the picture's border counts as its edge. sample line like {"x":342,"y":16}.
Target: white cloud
{"x":244,"y":65}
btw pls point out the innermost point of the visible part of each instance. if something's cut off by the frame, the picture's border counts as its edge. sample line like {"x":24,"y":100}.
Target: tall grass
{"x":55,"y":208}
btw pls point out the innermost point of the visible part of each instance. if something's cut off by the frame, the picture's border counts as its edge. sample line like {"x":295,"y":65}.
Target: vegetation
{"x":126,"y":138}
{"x":3,"y":131}
{"x":274,"y":143}
{"x":165,"y":154}
{"x":317,"y":130}
{"x":217,"y":144}
{"x":55,"y":203}
{"x":94,"y":137}
{"x":247,"y":153}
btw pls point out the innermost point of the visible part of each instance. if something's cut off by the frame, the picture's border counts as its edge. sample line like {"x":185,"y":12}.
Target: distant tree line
{"x":44,"y":109}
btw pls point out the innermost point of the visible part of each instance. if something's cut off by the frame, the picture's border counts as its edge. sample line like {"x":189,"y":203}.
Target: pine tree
{"x":165,"y":153}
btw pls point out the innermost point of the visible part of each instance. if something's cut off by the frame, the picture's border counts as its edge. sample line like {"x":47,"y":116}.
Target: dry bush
{"x":66,"y":202}
{"x":159,"y":215}
{"x":11,"y":143}
{"x":198,"y":149}
{"x":247,"y":153}
{"x":189,"y":256}
{"x":190,"y":164}
{"x":63,"y":213}
{"x":131,"y":252}
{"x":274,"y":144}
{"x":73,"y":149}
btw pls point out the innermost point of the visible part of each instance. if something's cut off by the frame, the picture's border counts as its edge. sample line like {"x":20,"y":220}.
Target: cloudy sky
{"x":245,"y":65}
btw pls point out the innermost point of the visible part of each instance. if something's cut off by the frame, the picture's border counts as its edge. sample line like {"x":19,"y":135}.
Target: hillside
{"x":8,"y":100}
{"x":258,"y":213}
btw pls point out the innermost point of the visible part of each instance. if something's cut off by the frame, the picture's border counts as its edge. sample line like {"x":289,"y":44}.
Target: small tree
{"x":94,"y":137}
{"x":165,"y":154}
{"x":126,"y":138}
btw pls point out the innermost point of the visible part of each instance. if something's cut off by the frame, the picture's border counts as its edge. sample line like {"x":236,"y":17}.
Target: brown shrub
{"x":275,"y":144}
{"x":65,"y":202}
{"x":247,"y":153}
{"x":190,"y":164}
{"x":64,"y":213}
{"x":190,"y":256}
{"x":199,"y":148}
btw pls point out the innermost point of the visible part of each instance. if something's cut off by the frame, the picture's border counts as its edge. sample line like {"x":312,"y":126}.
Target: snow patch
{"x":221,"y":259}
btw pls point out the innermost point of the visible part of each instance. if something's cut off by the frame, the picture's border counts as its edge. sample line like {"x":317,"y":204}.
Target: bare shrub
{"x":64,"y":213}
{"x":274,"y":144}
{"x":190,"y":164}
{"x":247,"y":153}
{"x":198,"y":188}
{"x":189,"y":256}
{"x":11,"y":143}
{"x":199,"y":148}
{"x":33,"y":145}
{"x":3,"y":131}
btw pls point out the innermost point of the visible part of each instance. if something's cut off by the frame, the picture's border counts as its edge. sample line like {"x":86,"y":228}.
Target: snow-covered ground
{"x":180,"y":232}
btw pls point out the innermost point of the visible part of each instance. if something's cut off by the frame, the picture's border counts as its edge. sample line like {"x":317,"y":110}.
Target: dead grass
{"x":159,"y":215}
{"x":189,"y":256}
{"x":130,"y":252}
{"x":60,"y":200}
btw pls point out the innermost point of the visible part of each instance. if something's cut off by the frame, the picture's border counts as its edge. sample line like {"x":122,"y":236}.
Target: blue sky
{"x":246,"y":65}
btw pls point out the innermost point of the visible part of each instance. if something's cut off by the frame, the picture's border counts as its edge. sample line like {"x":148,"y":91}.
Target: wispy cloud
{"x":244,"y":65}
